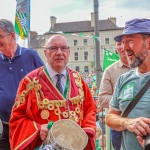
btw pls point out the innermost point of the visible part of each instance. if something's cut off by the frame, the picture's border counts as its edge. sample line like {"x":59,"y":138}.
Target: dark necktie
{"x":58,"y":83}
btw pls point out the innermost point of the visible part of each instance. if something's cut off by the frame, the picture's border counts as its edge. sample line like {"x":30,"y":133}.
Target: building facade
{"x":81,"y":39}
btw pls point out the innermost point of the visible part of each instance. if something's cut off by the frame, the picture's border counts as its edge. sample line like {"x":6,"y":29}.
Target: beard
{"x":138,"y":59}
{"x":137,"y":62}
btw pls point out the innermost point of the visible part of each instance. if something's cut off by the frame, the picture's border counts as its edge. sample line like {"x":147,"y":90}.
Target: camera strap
{"x":136,"y":99}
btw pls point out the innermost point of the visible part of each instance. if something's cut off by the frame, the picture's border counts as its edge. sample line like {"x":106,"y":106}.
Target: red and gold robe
{"x":38,"y":102}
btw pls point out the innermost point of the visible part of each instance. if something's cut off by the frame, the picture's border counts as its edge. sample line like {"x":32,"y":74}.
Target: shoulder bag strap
{"x":136,"y":99}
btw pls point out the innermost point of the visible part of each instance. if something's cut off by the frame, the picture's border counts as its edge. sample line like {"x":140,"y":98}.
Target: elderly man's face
{"x":136,"y":47}
{"x":58,"y":53}
{"x":5,"y":42}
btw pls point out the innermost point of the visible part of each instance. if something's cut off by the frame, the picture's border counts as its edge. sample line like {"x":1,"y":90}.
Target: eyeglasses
{"x":55,"y":48}
{"x":2,"y":36}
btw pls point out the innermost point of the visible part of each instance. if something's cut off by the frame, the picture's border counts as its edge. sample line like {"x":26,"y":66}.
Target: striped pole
{"x":108,"y":140}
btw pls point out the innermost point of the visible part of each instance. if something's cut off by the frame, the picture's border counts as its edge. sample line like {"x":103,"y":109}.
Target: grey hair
{"x":6,"y":26}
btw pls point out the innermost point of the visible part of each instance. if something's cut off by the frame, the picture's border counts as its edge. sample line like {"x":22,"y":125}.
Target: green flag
{"x":67,"y":33}
{"x":109,"y":58}
{"x":81,"y":34}
{"x":22,"y":21}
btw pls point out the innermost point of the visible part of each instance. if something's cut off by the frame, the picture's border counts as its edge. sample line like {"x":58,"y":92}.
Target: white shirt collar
{"x":141,"y":74}
{"x":53,"y":73}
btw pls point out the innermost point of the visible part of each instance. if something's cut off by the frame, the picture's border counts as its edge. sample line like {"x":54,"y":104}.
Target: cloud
{"x":8,"y":10}
{"x":71,"y":6}
{"x":76,"y":10}
{"x":134,"y":4}
{"x":123,"y":10}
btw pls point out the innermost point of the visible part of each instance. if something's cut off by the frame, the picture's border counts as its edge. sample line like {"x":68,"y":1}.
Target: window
{"x":75,"y":42}
{"x":86,"y":69}
{"x":77,"y":68}
{"x":106,"y":40}
{"x":85,"y":41}
{"x":76,"y":56}
{"x":85,"y":55}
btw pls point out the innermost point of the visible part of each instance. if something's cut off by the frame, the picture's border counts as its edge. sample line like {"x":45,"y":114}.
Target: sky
{"x":76,"y":10}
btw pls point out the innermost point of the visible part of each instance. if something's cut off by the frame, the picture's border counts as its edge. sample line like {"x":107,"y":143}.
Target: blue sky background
{"x":77,"y":10}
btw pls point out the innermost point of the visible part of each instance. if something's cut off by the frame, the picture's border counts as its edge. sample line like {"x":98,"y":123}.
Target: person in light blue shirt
{"x":15,"y":63}
{"x":136,"y":43}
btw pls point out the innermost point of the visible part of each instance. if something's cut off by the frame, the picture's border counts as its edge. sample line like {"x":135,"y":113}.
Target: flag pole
{"x":97,"y":43}
{"x":29,"y":23}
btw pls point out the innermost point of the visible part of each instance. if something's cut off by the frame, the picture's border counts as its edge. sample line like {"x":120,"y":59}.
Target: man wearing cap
{"x":136,"y":42}
{"x":107,"y":86}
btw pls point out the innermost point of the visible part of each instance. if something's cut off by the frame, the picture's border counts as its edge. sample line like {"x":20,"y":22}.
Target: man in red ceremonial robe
{"x":41,"y":99}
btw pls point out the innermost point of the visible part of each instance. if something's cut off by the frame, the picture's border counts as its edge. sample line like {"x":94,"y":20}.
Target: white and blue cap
{"x":135,"y":26}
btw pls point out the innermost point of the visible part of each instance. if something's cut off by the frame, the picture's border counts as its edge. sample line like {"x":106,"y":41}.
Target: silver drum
{"x":66,"y":134}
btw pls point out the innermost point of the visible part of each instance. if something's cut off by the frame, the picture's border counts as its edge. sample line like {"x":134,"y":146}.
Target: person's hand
{"x":140,"y":126}
{"x":141,"y":140}
{"x":43,"y":132}
{"x":103,"y":103}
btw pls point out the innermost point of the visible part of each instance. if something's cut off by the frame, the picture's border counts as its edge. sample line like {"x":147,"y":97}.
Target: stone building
{"x":81,"y":40}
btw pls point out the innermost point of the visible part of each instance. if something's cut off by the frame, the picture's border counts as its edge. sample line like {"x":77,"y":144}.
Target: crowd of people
{"x":34,"y":94}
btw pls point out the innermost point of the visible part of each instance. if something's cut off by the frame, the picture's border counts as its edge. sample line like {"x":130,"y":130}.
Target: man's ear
{"x":13,"y":35}
{"x":45,"y":52}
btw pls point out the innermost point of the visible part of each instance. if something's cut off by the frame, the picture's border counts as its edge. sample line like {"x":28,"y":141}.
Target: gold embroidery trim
{"x":33,"y":84}
{"x":46,"y":105}
{"x":78,"y":82}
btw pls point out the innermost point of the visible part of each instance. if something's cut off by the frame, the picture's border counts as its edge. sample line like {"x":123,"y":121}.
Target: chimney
{"x":113,"y":20}
{"x":92,"y":20}
{"x":53,"y":22}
